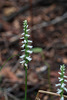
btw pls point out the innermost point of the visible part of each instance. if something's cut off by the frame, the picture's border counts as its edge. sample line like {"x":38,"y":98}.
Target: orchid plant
{"x":27,"y":49}
{"x":62,"y":79}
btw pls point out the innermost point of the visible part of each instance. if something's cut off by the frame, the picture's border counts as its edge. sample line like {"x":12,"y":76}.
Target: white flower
{"x":58,"y":84}
{"x":27,"y":35}
{"x":62,"y":98}
{"x":24,"y":29}
{"x":29,"y":46}
{"x":22,"y":62}
{"x":23,"y":46}
{"x":60,"y":79}
{"x":65,"y":89}
{"x":30,"y":41}
{"x":29,"y":51}
{"x":60,"y":73}
{"x":22,"y":56}
{"x":25,"y":41}
{"x":22,"y":42}
{"x":63,"y":72}
{"x":28,"y":58}
{"x":22,"y":38}
{"x":62,"y":67}
{"x":65,"y":80}
{"x":22,"y":33}
{"x":59,"y":91}
{"x":25,"y":64}
{"x":23,"y":50}
{"x":63,"y":85}
{"x":28,"y":30}
{"x":65,"y":76}
{"x":27,"y":26}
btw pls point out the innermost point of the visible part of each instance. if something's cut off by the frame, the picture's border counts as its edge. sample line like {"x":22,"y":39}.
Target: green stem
{"x":49,"y":82}
{"x":25,"y":83}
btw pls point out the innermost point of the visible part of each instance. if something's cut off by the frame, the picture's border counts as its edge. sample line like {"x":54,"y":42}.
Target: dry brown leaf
{"x":33,"y":77}
{"x":54,"y":74}
{"x":9,"y":11}
{"x":64,"y":60}
{"x":8,"y":74}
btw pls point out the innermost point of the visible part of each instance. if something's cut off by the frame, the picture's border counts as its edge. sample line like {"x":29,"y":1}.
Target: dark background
{"x":47,"y":20}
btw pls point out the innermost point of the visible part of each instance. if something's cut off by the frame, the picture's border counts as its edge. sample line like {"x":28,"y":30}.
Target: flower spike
{"x":27,"y":48}
{"x":62,"y":80}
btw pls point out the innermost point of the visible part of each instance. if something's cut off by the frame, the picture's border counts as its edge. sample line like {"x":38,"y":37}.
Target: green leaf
{"x":37,"y":50}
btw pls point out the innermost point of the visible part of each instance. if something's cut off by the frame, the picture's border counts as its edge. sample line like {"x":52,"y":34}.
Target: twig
{"x":54,"y":21}
{"x":47,"y":92}
{"x":12,"y":96}
{"x":5,"y":95}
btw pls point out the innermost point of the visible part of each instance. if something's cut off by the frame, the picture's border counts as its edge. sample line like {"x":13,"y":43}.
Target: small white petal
{"x":62,"y":67}
{"x":63,"y":72}
{"x":22,"y":62}
{"x":22,"y":33}
{"x":29,"y":46}
{"x":30,"y":41}
{"x":27,"y":26}
{"x":23,"y":46}
{"x":60,"y":73}
{"x":58,"y":84}
{"x":22,"y":38}
{"x":65,"y":80}
{"x":63,"y":85}
{"x":65,"y":76}
{"x":27,"y":35}
{"x":62,"y":98}
{"x":22,"y":42}
{"x":60,"y":79}
{"x":25,"y":41}
{"x":25,"y":64}
{"x":28,"y":30}
{"x":29,"y":51}
{"x":22,"y":56}
{"x":24,"y":29}
{"x":25,"y":21}
{"x":28,"y":58}
{"x":23,"y":50}
{"x":59,"y":91}
{"x":65,"y":89}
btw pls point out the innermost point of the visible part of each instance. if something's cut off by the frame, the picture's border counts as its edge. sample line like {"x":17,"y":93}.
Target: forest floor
{"x":48,"y":26}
